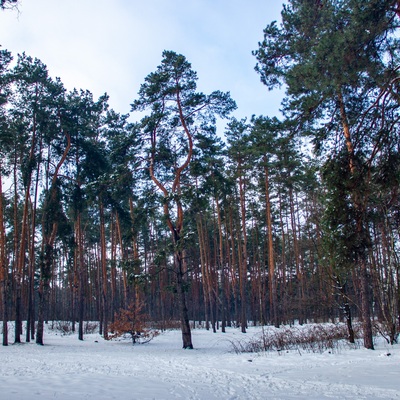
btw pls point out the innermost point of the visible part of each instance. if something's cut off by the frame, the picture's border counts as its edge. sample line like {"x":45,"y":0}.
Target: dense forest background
{"x":270,"y":222}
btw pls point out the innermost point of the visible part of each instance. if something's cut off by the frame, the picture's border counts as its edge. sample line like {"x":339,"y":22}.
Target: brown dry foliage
{"x":132,"y":322}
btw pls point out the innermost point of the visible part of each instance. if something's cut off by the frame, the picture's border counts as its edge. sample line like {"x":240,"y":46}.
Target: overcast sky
{"x":111,"y":46}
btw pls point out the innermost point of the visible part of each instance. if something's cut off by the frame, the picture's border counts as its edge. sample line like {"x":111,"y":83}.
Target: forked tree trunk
{"x":23,"y":240}
{"x":30,"y":323}
{"x":49,"y":232}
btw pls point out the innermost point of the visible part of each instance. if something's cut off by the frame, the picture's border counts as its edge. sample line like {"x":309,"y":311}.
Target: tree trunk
{"x":113,"y":258}
{"x":273,"y":295}
{"x":283,"y":288}
{"x":122,"y":255}
{"x":20,"y":270}
{"x":365,"y":306}
{"x":243,"y":258}
{"x":3,"y":268}
{"x":30,"y":323}
{"x":221,"y":268}
{"x":176,"y":228}
{"x":233,"y":263}
{"x":16,"y":239}
{"x":362,"y":233}
{"x":46,"y":267}
{"x":49,"y":232}
{"x":346,"y":308}
{"x":181,"y":292}
{"x":205,"y":282}
{"x":4,"y":295}
{"x":81,"y":273}
{"x":299,"y":272}
{"x":103,"y":260}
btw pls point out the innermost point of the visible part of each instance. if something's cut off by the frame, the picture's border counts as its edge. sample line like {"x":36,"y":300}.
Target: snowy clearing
{"x":66,"y":368}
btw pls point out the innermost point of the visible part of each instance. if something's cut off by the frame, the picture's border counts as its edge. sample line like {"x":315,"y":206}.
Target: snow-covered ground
{"x":66,"y":368}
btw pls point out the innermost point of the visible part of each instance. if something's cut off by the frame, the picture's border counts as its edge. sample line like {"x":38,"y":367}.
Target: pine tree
{"x":5,"y":145}
{"x":339,"y":61}
{"x":238,"y":136}
{"x":82,"y":119}
{"x":264,"y":132}
{"x":176,"y":112}
{"x":31,"y":113}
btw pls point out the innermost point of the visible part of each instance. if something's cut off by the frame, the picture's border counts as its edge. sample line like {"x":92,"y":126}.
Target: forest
{"x":273,"y":221}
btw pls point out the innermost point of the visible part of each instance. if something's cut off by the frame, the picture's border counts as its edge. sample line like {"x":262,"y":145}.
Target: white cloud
{"x":110,"y":47}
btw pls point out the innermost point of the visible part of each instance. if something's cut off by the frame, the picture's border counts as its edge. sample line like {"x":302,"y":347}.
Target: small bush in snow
{"x":131,"y":322}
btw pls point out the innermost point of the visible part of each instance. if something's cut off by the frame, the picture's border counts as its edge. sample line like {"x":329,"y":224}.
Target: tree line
{"x":280,"y":221}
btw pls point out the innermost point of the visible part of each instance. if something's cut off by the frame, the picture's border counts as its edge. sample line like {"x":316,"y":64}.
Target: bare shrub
{"x":91,"y":327}
{"x":387,"y":330}
{"x":315,"y":338}
{"x":64,"y":327}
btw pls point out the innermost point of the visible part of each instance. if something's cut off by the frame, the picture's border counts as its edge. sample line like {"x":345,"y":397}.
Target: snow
{"x":68,"y":369}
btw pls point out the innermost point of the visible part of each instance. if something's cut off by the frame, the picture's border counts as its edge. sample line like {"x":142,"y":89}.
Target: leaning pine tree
{"x":339,"y":62}
{"x":175,"y":112}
